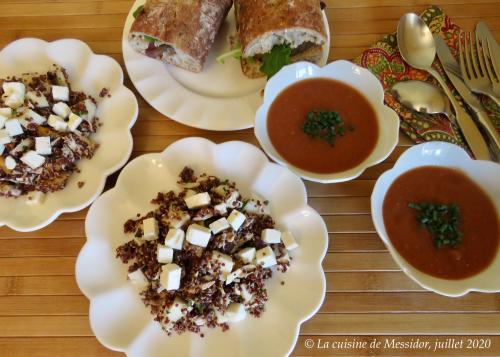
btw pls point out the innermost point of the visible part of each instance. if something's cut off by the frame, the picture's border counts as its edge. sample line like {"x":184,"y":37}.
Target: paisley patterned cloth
{"x":385,"y":62}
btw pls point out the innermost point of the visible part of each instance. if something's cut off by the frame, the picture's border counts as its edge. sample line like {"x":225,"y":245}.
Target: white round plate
{"x":89,"y":73}
{"x":485,"y":173}
{"x":219,"y":98}
{"x":118,"y":317}
{"x":359,"y":78}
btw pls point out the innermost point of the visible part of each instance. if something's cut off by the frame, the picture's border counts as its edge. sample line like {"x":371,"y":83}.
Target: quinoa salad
{"x":46,"y":128}
{"x":202,"y":257}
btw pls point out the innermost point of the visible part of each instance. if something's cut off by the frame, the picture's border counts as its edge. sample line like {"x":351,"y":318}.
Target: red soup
{"x":408,"y":227}
{"x":287,"y":115}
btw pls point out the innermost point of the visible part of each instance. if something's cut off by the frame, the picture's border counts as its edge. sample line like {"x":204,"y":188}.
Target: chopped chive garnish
{"x":149,"y":38}
{"x":441,"y":221}
{"x":325,"y":125}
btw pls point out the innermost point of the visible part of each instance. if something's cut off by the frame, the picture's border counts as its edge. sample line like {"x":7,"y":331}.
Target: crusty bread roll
{"x":178,"y":32}
{"x":262,"y":24}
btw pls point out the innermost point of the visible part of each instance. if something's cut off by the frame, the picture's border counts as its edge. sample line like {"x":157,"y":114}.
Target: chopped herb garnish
{"x":138,"y":11}
{"x":199,"y":307}
{"x":149,"y":39}
{"x":441,"y":221}
{"x":273,"y":61}
{"x":325,"y":125}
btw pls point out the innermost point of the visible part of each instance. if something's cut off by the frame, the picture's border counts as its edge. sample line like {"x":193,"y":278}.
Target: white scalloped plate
{"x":485,"y":173}
{"x":344,"y":71}
{"x":118,"y":317}
{"x":219,"y":98}
{"x":90,"y":73}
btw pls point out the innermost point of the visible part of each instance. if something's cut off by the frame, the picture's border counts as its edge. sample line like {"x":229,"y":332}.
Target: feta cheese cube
{"x":177,"y":310}
{"x":42,"y":145}
{"x":37,"y":99}
{"x":247,"y":255}
{"x":256,"y":206}
{"x":222,"y":190}
{"x":61,"y":109}
{"x":3,"y":120}
{"x":5,"y":137}
{"x":236,"y":312}
{"x":221,"y":208}
{"x":225,"y":261}
{"x":13,"y":127}
{"x":200,"y":321}
{"x":198,"y":200}
{"x":232,"y":200}
{"x":10,"y":88}
{"x":6,"y":112}
{"x":74,"y":122}
{"x":57,"y":123}
{"x":35,"y":198}
{"x":60,"y":93}
{"x":35,"y":117}
{"x":236,"y":219}
{"x":170,"y":276}
{"x":271,"y":236}
{"x":10,"y":163}
{"x":164,"y":254}
{"x":150,"y":229}
{"x":32,"y":159}
{"x":245,"y":293}
{"x":179,"y":219}
{"x":221,"y":318}
{"x":138,"y":279}
{"x":219,"y":225}
{"x":198,"y":235}
{"x":265,"y":257}
{"x":14,"y":100}
{"x":175,"y":238}
{"x":233,"y":276}
{"x":289,"y":240}
{"x":2,"y":149}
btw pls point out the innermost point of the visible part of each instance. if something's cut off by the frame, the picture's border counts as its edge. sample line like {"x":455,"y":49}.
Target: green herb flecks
{"x":441,"y":221}
{"x":138,"y":11}
{"x":199,"y":307}
{"x":325,"y":125}
{"x":273,"y":61}
{"x":149,"y":39}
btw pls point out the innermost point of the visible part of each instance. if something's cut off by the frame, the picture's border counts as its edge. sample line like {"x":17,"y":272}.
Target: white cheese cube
{"x":198,"y":235}
{"x":236,"y":312}
{"x":138,"y":279}
{"x":222,"y":190}
{"x":3,"y":120}
{"x":2,"y":149}
{"x":236,"y":219}
{"x":200,"y":321}
{"x":42,"y":145}
{"x":247,"y":255}
{"x":150,"y":229}
{"x":35,"y":117}
{"x":221,"y":208}
{"x":60,"y":93}
{"x":61,"y":109}
{"x":221,"y":318}
{"x":219,"y":225}
{"x":5,"y":137}
{"x":6,"y":112}
{"x":170,"y":276}
{"x":225,"y":261}
{"x":91,"y":110}
{"x":10,"y":88}
{"x":289,"y":240}
{"x":256,"y":206}
{"x":198,"y":200}
{"x":232,"y":200}
{"x":57,"y":123}
{"x":245,"y":293}
{"x":13,"y":127}
{"x":10,"y":163}
{"x":37,"y":99}
{"x":14,"y":100}
{"x":164,"y":254}
{"x":74,"y":122}
{"x":35,"y":198}
{"x":265,"y":257}
{"x":177,"y":310}
{"x":271,"y":236}
{"x":179,"y":219}
{"x":233,"y":276}
{"x":32,"y":159}
{"x":174,"y":238}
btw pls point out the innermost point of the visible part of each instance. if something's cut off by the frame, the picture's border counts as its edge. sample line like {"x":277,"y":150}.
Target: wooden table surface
{"x":43,"y":313}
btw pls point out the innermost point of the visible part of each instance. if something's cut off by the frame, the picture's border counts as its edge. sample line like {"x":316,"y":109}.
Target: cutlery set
{"x":478,"y":71}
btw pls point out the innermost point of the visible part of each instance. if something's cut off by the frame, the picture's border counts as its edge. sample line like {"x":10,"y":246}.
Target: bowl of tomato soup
{"x":438,"y":212}
{"x":326,"y":124}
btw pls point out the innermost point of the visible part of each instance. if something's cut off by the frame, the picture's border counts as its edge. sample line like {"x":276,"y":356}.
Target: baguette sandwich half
{"x":274,"y":33}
